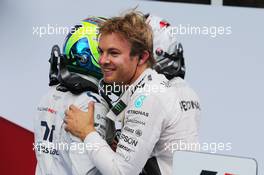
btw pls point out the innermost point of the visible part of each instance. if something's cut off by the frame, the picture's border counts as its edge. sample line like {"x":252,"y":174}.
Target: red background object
{"x":16,"y":149}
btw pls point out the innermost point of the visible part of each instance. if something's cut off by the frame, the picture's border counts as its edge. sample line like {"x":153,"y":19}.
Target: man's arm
{"x":80,"y":161}
{"x":140,"y":133}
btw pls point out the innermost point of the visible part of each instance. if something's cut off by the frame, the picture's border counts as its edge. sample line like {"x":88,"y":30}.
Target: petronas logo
{"x":119,"y":107}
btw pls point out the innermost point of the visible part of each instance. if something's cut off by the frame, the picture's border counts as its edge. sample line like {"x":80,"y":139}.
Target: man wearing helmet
{"x":150,"y":119}
{"x":73,"y":81}
{"x":169,"y":59}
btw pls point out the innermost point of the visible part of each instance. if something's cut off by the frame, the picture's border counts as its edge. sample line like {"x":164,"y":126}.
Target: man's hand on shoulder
{"x":78,"y":122}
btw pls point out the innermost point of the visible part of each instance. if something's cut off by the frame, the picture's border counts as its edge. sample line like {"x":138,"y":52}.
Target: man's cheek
{"x":115,"y":76}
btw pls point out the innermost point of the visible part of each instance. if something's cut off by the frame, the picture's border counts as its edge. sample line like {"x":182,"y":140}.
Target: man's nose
{"x":103,"y":59}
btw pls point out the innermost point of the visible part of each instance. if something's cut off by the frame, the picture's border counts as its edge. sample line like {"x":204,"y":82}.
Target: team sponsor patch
{"x":135,"y":121}
{"x":138,"y":133}
{"x":188,"y":105}
{"x":119,"y":107}
{"x":47,"y":109}
{"x":146,"y":114}
{"x":130,"y":140}
{"x":125,"y":148}
{"x":126,"y":128}
{"x":44,"y":148}
{"x":100,"y":117}
{"x":139,"y":101}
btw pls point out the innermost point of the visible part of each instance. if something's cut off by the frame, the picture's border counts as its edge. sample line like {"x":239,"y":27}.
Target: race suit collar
{"x":141,"y":77}
{"x":117,"y":111}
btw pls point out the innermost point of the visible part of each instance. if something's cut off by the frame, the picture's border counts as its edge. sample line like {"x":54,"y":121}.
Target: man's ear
{"x":143,"y":58}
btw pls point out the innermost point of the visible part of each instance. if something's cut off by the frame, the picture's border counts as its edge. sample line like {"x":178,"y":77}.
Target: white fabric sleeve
{"x":140,"y":133}
{"x":82,"y":165}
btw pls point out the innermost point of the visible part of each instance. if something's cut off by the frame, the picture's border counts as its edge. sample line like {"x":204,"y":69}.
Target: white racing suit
{"x":57,"y":151}
{"x":157,"y":116}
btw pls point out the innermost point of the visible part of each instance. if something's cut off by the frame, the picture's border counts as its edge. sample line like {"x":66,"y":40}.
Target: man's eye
{"x":114,"y":54}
